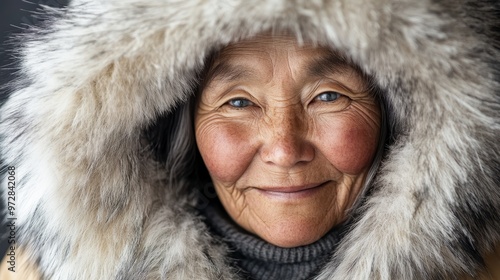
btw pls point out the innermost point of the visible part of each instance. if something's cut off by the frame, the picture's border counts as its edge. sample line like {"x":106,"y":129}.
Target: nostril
{"x":287,"y":151}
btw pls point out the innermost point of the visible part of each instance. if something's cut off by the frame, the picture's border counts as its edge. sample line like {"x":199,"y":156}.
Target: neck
{"x":262,"y":260}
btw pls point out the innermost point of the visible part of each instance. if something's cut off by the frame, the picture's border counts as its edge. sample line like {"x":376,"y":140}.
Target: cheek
{"x":225,"y":149}
{"x":349,"y":145}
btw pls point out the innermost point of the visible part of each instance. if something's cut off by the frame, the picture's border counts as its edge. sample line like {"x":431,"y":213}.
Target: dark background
{"x":15,"y":17}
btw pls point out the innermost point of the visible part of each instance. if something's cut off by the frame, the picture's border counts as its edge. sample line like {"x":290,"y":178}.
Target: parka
{"x":101,"y":193}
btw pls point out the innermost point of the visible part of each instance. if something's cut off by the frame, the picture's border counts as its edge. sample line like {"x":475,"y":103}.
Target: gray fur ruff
{"x":94,"y":204}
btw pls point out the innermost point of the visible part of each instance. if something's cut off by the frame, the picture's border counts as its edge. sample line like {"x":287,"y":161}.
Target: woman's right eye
{"x":239,"y":102}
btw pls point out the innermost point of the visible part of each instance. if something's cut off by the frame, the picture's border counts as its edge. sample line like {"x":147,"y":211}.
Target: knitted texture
{"x":261,"y":260}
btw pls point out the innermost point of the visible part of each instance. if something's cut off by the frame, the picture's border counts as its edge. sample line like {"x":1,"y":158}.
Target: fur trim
{"x":93,"y":203}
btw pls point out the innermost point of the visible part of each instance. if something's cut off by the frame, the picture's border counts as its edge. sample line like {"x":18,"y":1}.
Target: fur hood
{"x":93,"y":201}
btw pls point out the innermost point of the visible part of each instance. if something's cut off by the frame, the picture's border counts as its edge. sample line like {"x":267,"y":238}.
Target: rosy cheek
{"x":350,"y":147}
{"x":226,"y":150}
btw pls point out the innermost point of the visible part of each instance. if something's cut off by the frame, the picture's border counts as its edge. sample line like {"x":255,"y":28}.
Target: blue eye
{"x":239,"y":102}
{"x":328,"y":96}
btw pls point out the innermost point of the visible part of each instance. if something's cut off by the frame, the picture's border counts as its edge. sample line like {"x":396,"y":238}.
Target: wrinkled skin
{"x":286,"y":142}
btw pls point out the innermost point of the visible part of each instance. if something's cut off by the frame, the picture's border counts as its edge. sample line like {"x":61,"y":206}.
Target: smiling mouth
{"x":292,"y":192}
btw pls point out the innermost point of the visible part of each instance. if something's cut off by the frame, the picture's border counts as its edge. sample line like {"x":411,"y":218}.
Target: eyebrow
{"x":332,"y":63}
{"x":228,"y":72}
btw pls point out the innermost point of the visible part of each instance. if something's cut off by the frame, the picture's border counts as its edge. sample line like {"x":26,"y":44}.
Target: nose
{"x":286,"y":143}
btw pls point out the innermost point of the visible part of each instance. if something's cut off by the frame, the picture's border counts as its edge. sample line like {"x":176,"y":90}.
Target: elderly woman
{"x":256,"y":140}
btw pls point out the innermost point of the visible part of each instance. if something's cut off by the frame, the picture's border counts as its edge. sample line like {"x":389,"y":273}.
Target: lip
{"x":292,"y":192}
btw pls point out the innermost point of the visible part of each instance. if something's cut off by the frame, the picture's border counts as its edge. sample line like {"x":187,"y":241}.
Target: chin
{"x":293,"y":234}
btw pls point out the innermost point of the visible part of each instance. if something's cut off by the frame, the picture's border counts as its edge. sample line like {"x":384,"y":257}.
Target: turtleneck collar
{"x":262,"y":260}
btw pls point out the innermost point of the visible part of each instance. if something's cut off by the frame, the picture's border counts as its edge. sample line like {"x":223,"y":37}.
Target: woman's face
{"x":287,"y":134}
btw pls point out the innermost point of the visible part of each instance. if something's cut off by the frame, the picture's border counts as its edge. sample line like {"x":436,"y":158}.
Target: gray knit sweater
{"x":258,"y":259}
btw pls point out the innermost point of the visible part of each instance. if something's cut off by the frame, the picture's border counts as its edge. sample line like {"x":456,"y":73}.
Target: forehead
{"x":267,"y":44}
{"x":265,"y":55}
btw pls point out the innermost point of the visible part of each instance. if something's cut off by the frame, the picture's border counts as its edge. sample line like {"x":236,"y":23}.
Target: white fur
{"x":98,"y":204}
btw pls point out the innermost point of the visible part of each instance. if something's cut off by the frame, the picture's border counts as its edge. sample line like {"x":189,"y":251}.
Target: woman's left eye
{"x":328,"y":96}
